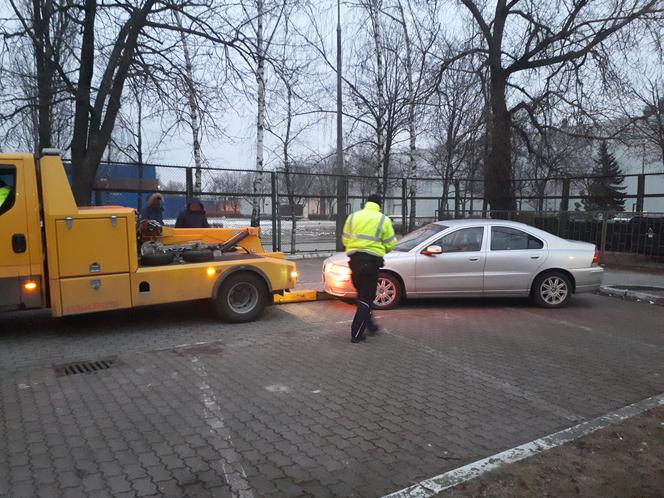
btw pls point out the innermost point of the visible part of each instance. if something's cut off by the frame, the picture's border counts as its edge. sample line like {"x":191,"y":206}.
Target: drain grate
{"x":83,"y":367}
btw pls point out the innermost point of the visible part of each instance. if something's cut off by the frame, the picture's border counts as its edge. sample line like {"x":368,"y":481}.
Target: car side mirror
{"x":432,"y":250}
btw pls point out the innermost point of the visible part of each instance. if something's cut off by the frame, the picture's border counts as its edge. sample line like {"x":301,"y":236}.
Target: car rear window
{"x":416,"y":237}
{"x":510,"y":239}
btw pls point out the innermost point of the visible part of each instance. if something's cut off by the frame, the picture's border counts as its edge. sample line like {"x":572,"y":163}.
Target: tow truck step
{"x":296,"y":296}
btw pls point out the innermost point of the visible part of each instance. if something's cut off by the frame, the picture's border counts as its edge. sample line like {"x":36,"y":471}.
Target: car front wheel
{"x":552,"y":290}
{"x":388,"y":291}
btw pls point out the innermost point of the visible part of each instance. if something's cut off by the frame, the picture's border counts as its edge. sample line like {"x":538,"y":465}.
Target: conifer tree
{"x":605,"y":190}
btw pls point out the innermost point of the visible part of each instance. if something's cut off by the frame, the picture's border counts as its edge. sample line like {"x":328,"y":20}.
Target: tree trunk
{"x":290,"y":188}
{"x":375,"y":7}
{"x":260,"y":120}
{"x":498,"y":179}
{"x":193,"y":106}
{"x":385,"y":170}
{"x":139,"y":150}
{"x":444,"y":198}
{"x":412,"y":145}
{"x":42,"y":11}
{"x":83,"y":172}
{"x":93,"y":124}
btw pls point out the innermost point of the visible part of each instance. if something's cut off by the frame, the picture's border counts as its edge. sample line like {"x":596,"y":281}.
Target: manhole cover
{"x":83,"y":367}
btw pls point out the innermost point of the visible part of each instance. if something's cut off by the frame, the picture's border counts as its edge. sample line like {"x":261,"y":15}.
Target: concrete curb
{"x":634,"y":293}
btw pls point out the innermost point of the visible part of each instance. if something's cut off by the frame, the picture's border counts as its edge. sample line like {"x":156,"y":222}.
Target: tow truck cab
{"x":80,"y":260}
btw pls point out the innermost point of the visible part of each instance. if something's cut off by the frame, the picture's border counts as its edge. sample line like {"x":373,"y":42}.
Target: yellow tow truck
{"x":75,"y":260}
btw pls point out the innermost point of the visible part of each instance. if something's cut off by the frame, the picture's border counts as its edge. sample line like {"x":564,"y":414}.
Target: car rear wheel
{"x":241,"y":298}
{"x":552,"y":290}
{"x":388,"y":291}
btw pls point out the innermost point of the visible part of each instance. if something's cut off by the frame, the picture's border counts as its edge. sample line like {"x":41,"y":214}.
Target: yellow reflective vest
{"x":369,"y":231}
{"x":4,"y":193}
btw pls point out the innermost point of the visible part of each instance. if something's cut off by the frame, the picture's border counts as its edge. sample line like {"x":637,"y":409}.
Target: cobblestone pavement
{"x":287,"y":406}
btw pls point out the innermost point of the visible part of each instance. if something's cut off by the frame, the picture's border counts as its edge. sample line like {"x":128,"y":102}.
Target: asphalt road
{"x":287,"y":406}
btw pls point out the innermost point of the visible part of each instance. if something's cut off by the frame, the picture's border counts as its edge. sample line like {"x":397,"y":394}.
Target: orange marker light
{"x":211,"y":271}
{"x":294,"y":274}
{"x":30,"y":286}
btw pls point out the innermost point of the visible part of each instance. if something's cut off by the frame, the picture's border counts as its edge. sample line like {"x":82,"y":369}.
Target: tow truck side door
{"x":21,"y":259}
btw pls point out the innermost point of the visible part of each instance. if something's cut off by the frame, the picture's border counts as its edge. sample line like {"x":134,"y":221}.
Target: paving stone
{"x":93,"y":483}
{"x":144,"y":487}
{"x":441,"y":375}
{"x":23,"y":489}
{"x":118,"y":484}
{"x":47,"y":491}
{"x":169,"y":489}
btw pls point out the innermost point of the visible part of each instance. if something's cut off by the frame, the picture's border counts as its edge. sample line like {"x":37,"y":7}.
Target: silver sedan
{"x":477,"y":258}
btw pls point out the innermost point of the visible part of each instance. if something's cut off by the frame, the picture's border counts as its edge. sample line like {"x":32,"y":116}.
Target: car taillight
{"x":596,"y":257}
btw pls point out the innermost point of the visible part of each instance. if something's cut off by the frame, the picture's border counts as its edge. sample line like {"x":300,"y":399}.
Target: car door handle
{"x":534,"y":257}
{"x":474,"y":258}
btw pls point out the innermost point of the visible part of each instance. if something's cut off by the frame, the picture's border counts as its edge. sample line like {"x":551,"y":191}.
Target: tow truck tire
{"x":157,"y":259}
{"x":197,"y":256}
{"x":241,"y":298}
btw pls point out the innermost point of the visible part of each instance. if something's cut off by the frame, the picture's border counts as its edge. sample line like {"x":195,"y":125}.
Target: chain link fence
{"x":304,"y":212}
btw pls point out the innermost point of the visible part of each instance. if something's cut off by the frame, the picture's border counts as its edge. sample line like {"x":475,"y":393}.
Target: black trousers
{"x":364,"y":268}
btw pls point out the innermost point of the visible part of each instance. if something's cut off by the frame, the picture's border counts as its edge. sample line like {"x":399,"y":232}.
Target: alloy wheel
{"x":554,"y":290}
{"x":386,"y":292}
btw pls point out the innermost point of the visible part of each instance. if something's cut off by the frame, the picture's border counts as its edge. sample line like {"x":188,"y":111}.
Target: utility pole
{"x":341,"y":184}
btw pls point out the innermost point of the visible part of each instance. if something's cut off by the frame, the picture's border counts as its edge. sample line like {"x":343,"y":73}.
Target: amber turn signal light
{"x":30,"y":286}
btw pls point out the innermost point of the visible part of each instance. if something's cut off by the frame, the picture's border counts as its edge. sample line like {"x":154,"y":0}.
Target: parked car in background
{"x":477,"y":258}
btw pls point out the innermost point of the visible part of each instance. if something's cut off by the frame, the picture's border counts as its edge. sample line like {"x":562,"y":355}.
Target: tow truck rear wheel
{"x":241,"y":298}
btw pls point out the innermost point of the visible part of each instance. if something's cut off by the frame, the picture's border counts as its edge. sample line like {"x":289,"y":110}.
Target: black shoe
{"x":359,"y":339}
{"x":373,"y":330}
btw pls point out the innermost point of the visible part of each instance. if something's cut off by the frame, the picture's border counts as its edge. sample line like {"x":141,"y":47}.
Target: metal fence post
{"x":190,"y":184}
{"x":602,"y":249}
{"x":404,"y":206}
{"x":563,"y":219}
{"x":457,"y":199}
{"x":342,"y":195}
{"x":640,"y":192}
{"x":274,"y":202}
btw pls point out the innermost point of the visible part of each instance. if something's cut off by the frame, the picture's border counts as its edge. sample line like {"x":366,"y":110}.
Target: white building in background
{"x":632,"y":163}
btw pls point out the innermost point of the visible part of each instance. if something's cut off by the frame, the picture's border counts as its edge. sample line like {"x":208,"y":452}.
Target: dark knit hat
{"x":375,"y":198}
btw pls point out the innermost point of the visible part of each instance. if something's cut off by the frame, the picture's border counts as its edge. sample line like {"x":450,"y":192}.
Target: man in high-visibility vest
{"x":368,"y":235}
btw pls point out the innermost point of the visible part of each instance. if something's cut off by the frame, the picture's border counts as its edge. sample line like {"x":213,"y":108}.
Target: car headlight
{"x":337,"y":272}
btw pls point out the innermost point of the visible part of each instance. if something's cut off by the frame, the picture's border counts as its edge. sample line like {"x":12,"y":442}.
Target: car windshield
{"x":416,"y":237}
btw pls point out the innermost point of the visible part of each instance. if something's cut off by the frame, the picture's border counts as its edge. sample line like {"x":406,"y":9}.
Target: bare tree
{"x":192,"y":101}
{"x":531,"y":38}
{"x":416,"y":62}
{"x":647,"y":129}
{"x":261,"y":55}
{"x":36,"y":110}
{"x":456,"y":123}
{"x":135,"y":43}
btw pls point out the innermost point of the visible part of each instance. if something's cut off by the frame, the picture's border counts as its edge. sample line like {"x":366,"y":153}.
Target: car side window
{"x":7,"y":187}
{"x":511,"y":239}
{"x":464,"y":240}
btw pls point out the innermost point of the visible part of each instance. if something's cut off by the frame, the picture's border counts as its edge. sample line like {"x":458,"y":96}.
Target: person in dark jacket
{"x":193,"y":217}
{"x":154,"y":209}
